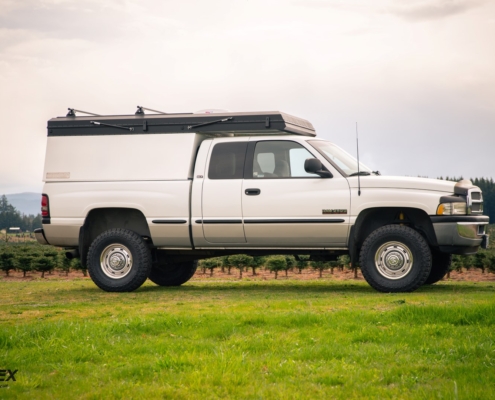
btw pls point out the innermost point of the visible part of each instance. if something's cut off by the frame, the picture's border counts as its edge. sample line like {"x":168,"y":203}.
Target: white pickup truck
{"x":148,"y":195}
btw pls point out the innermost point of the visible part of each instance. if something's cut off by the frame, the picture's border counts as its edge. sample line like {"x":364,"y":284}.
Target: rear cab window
{"x":227,"y":160}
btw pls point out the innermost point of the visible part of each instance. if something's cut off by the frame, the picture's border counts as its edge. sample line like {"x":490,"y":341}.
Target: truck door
{"x":222,"y":189}
{"x":285,"y":206}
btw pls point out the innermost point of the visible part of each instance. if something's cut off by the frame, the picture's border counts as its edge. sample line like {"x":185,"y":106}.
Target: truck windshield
{"x":339,"y":158}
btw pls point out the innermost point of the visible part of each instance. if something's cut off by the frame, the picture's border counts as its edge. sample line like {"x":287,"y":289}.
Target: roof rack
{"x":227,"y":123}
{"x":140,"y":111}
{"x":72,"y":112}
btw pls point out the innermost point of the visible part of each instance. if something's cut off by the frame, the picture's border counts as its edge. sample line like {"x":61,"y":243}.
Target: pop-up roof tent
{"x":228,"y":123}
{"x":147,"y":147}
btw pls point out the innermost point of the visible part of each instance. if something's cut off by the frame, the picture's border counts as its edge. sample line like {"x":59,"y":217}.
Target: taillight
{"x":45,"y":210}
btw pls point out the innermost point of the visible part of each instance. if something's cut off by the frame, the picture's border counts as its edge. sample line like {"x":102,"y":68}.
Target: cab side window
{"x":227,"y":160}
{"x":280,"y":159}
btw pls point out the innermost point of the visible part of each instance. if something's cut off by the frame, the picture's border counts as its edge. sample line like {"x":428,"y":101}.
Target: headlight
{"x":452,"y":209}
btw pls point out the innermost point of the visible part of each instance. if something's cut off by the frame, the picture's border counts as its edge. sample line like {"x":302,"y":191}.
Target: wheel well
{"x":373,"y":218}
{"x":99,"y":220}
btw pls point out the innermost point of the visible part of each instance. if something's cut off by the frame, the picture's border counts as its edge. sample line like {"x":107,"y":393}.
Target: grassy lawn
{"x":250,"y":339}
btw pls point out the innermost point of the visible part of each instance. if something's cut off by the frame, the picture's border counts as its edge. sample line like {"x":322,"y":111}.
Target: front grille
{"x":475,"y":202}
{"x":476,"y":195}
{"x":477,"y":207}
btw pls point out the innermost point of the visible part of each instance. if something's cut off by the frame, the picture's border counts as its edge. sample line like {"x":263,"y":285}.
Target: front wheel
{"x":395,"y":258}
{"x":119,"y":260}
{"x":174,"y":274}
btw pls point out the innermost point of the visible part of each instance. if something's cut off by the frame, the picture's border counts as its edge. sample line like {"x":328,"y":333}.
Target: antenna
{"x":358,"y":174}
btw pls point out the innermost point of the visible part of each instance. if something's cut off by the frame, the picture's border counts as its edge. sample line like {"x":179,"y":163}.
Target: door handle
{"x":252,"y":192}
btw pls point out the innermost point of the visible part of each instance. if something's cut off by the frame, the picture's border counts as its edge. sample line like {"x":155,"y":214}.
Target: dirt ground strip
{"x":473,"y":275}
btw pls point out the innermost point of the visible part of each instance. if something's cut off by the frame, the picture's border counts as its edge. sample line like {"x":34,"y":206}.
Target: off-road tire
{"x":440,"y":265}
{"x":172,"y":274}
{"x":395,"y":244}
{"x":119,"y":246}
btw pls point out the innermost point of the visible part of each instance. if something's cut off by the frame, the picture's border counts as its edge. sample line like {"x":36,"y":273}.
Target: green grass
{"x":249,"y":340}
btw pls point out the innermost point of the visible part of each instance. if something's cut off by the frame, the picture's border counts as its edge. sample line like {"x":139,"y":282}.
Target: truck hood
{"x":402,"y":182}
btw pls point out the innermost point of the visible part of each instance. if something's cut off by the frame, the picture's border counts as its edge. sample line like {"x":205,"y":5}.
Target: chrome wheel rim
{"x":393,"y":260}
{"x":116,"y":261}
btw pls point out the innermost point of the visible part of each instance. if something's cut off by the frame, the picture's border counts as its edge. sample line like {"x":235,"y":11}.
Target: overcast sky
{"x":418,"y":76}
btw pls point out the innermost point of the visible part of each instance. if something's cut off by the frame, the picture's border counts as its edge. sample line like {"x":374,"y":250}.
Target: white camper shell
{"x":159,"y":147}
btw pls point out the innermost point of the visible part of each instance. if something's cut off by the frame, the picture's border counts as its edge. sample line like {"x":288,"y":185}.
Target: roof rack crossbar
{"x":140,"y":111}
{"x":72,"y":112}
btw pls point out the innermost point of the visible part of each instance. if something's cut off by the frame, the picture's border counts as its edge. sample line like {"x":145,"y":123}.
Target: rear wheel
{"x":395,"y":258}
{"x":440,"y":265}
{"x":119,"y":260}
{"x":173,"y":274}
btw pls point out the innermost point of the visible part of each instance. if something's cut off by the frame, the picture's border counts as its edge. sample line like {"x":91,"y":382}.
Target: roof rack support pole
{"x":72,"y":112}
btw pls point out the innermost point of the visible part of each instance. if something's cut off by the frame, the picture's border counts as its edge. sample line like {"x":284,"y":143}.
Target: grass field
{"x":249,"y":340}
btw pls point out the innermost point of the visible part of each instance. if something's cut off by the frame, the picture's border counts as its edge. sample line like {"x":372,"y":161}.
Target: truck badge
{"x":58,"y":175}
{"x":334,"y":211}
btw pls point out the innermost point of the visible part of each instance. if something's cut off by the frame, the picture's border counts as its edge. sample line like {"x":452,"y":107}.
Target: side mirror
{"x":314,"y":166}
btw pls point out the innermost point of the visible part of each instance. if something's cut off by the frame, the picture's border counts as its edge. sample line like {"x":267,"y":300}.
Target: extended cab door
{"x":284,"y":206}
{"x":222,"y":189}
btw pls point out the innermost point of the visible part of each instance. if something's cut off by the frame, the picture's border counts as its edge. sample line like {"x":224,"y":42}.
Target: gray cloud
{"x":415,"y":10}
{"x":431,"y":10}
{"x":65,"y":22}
{"x":91,"y":21}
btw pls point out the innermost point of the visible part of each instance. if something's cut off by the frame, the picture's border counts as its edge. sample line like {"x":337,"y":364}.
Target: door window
{"x":227,"y":160}
{"x":280,"y":159}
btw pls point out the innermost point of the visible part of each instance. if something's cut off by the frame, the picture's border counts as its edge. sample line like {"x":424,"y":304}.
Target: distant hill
{"x":27,"y":203}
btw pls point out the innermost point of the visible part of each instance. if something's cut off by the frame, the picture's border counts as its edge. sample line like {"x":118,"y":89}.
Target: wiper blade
{"x":360,"y":173}
{"x":209,"y":123}
{"x":376,"y":172}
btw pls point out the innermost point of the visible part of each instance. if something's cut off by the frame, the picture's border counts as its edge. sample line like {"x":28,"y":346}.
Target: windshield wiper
{"x":360,"y":173}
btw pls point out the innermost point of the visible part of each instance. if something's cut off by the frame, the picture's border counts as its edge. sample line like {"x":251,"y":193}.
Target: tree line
{"x":33,"y":257}
{"x":483,"y":260}
{"x":276,"y":264}
{"x":11,"y":217}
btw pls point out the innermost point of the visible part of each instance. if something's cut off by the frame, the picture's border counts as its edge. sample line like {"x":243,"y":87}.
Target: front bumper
{"x":461,"y":234}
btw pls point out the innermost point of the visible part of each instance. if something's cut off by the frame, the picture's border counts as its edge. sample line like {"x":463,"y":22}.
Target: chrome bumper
{"x":461,"y":232}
